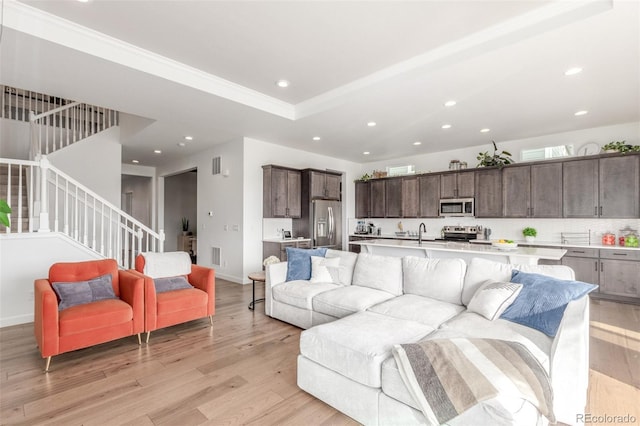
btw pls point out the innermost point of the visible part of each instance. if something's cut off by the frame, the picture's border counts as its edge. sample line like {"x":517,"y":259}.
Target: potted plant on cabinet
{"x":621,"y":147}
{"x":497,"y":159}
{"x":529,"y":234}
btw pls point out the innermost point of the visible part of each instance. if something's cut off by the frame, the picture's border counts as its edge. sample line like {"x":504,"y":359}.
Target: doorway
{"x":181,"y":212}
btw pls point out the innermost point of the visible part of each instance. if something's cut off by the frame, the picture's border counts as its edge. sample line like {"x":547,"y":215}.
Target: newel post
{"x":161,"y":241}
{"x":44,"y":198}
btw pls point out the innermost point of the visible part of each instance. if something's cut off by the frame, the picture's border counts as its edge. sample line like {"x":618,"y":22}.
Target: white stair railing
{"x":62,"y":126}
{"x":71,"y":208}
{"x":16,"y":187}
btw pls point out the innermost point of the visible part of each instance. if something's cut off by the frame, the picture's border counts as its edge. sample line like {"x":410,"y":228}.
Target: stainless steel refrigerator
{"x":326,"y":221}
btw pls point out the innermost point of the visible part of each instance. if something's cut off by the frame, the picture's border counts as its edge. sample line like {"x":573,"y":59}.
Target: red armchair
{"x":177,"y":306}
{"x":86,"y":324}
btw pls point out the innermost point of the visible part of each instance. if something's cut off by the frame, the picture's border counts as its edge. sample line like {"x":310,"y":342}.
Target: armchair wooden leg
{"x":46,"y":368}
{"x":139,"y":339}
{"x":148,"y":334}
{"x":211,"y":320}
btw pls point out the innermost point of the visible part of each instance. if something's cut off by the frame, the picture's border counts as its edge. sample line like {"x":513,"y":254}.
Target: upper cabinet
{"x":410,"y":197}
{"x":532,"y":191}
{"x":377,"y":198}
{"x":488,"y":193}
{"x":429,"y":187}
{"x":281,"y":192}
{"x":605,"y":187}
{"x":393,"y":197}
{"x":457,"y":185}
{"x":324,"y":185}
{"x":363,"y":199}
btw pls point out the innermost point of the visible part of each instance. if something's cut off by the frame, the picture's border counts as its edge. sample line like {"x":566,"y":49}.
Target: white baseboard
{"x":16,"y":320}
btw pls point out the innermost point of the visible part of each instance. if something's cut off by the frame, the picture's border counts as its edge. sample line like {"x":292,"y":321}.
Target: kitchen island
{"x":466,"y":251}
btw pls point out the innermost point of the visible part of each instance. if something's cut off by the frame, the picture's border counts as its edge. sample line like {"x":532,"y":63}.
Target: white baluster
{"x":85,"y":237}
{"x":93,"y":227}
{"x":55,"y":205}
{"x":161,"y":242}
{"x":102,"y":230}
{"x":66,"y":207}
{"x":31,"y":203}
{"x":8,"y":228}
{"x":44,"y":198}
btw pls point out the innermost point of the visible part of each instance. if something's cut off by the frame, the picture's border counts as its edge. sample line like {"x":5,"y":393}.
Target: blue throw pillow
{"x":171,"y":283}
{"x":299,"y":262}
{"x":81,"y":292}
{"x":542,"y":301}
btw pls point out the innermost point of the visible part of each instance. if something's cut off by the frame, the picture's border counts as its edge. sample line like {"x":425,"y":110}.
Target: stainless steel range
{"x":460,"y":233}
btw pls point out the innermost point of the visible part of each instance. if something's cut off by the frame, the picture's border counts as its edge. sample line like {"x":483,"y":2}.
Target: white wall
{"x":23,"y":259}
{"x":14,"y":139}
{"x":150,"y":172}
{"x":258,"y":153}
{"x":95,"y":162}
{"x":141,"y":189}
{"x":181,"y":200}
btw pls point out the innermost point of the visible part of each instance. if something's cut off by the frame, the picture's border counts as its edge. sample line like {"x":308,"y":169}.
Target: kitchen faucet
{"x":421,"y":228}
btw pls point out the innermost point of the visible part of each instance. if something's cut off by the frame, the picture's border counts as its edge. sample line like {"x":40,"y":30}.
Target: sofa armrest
{"x":132,"y":292}
{"x":275,"y":273}
{"x":45,"y":318}
{"x":569,"y":362}
{"x":205,"y":279}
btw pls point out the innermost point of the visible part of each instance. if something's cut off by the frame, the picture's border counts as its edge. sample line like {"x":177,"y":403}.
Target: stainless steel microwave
{"x":457,"y":207}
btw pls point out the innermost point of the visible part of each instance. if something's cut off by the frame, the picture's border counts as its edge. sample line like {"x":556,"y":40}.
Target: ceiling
{"x":208,"y":69}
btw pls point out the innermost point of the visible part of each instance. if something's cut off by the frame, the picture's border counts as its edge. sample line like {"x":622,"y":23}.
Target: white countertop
{"x":556,"y":244}
{"x":280,"y":240}
{"x":527,"y":252}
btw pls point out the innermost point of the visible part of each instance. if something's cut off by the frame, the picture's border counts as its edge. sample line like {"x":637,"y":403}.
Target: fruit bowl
{"x":504,"y":245}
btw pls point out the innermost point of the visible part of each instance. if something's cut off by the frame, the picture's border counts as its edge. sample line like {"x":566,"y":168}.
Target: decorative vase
{"x":529,"y":239}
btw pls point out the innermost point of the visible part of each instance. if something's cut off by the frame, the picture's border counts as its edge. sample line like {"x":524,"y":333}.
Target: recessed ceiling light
{"x":83,"y":1}
{"x":573,"y":71}
{"x":282,"y":83}
{"x":417,"y":143}
{"x":449,"y":103}
{"x":188,"y":138}
{"x":181,"y":144}
{"x":157,"y":151}
{"x":485,"y":130}
{"x":583,"y":112}
{"x":135,"y":161}
{"x":371,"y":123}
{"x":316,"y":138}
{"x":446,"y":126}
{"x":366,"y":153}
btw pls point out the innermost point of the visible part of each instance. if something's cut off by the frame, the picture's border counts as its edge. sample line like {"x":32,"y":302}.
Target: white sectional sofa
{"x":351,"y":326}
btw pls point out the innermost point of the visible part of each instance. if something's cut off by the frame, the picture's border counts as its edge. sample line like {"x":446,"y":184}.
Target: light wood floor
{"x":240,"y":371}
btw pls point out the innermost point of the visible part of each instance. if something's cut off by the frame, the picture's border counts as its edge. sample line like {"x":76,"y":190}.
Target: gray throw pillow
{"x":171,"y":283}
{"x":81,"y":292}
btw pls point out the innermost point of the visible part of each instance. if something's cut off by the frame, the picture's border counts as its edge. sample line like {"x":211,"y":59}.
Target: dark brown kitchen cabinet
{"x":378,"y":198}
{"x":363,"y":199}
{"x":410,"y":197}
{"x":619,"y":187}
{"x":429,"y":187}
{"x":324,"y":186}
{"x":457,"y":185}
{"x":281,"y":192}
{"x":393,"y":197}
{"x":532,"y":191}
{"x":488,"y":193}
{"x":580,"y":188}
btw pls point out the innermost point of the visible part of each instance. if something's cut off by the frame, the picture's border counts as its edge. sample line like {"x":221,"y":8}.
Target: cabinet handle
{"x":595,"y":211}
{"x":601,"y":267}
{"x":619,"y":254}
{"x":577,"y":251}
{"x":600,"y":210}
{"x":596,"y":266}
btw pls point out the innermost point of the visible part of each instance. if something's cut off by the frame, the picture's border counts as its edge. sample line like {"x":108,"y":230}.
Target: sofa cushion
{"x":418,"y":308}
{"x":93,"y":316}
{"x":542,"y":301}
{"x":356,"y":346}
{"x":379,"y":272}
{"x":324,"y":270}
{"x":180,"y":300}
{"x":346,"y":300}
{"x":493,"y":297}
{"x":347,"y":264}
{"x":440,"y":279}
{"x":299,"y":262}
{"x":479,"y":270}
{"x":300,"y":293}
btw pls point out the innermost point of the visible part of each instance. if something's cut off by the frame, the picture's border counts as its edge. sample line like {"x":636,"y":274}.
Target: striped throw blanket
{"x":448,"y":376}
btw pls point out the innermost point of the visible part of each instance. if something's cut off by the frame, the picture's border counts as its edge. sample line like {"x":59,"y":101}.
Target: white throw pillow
{"x":325,"y":270}
{"x":493,"y":297}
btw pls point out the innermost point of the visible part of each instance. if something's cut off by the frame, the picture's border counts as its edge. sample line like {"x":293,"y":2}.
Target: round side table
{"x":259,"y":277}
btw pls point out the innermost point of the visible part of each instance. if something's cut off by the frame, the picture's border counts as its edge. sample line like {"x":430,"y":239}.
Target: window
{"x":401,"y":170}
{"x":547,"y":153}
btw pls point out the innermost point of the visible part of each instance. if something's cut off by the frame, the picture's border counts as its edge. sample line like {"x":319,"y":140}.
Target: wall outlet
{"x":236,"y":227}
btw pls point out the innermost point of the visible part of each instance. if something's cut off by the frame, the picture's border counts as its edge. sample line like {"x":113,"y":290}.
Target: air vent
{"x":215,"y":169}
{"x":215,"y":256}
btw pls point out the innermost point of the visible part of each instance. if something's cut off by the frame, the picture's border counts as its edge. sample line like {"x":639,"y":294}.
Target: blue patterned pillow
{"x":542,"y":301}
{"x":299,"y":262}
{"x":81,"y":292}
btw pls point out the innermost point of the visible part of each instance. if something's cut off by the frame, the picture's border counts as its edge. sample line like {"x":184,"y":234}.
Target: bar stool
{"x":260,"y":277}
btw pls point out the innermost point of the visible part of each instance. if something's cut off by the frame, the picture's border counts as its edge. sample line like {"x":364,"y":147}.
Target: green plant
{"x":365,"y":177}
{"x":621,"y":146}
{"x":4,"y":213}
{"x":529,"y":232}
{"x":185,"y":224}
{"x":497,"y":159}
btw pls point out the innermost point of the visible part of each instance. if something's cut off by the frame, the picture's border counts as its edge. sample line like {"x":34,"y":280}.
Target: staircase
{"x":45,"y":199}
